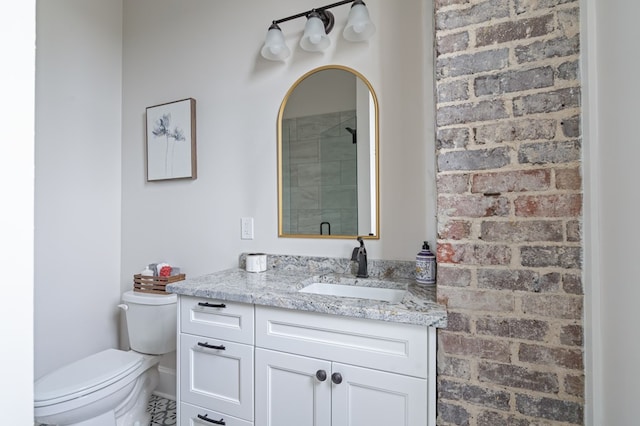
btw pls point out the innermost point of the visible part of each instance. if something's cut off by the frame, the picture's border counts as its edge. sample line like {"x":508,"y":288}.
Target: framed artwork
{"x":171,"y":140}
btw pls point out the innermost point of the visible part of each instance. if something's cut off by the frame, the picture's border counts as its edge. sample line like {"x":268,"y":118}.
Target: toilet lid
{"x":85,"y":376}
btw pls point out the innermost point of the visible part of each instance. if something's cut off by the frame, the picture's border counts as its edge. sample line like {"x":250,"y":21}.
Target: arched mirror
{"x":328,"y":157}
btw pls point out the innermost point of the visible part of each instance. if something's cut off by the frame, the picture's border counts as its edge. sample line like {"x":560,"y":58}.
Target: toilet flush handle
{"x":123,"y":307}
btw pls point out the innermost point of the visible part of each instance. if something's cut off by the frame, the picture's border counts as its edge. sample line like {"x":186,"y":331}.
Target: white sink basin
{"x":393,"y":295}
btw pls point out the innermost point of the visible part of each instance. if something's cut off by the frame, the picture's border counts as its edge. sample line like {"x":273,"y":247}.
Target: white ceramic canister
{"x":256,"y":262}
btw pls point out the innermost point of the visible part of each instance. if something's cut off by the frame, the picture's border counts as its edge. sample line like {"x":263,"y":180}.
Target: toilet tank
{"x":151,"y":322}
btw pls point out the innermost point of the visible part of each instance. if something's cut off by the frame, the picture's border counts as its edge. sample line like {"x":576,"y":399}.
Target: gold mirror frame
{"x":376,"y":147}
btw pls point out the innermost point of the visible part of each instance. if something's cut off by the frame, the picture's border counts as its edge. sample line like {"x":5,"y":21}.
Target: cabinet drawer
{"x":217,"y":374}
{"x":214,"y":318}
{"x":189,"y":417}
{"x":388,"y":346}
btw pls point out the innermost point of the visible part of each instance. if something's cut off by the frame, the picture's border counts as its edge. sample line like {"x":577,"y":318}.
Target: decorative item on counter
{"x":155,"y":277}
{"x":256,"y":262}
{"x":426,"y":266}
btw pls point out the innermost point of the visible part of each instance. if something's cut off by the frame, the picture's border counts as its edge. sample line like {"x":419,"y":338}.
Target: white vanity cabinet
{"x":283,"y":367}
{"x":325,"y":370}
{"x":216,"y":361}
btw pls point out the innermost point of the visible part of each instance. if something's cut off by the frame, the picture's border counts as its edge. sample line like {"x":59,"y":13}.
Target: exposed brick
{"x":473,"y":206}
{"x":568,"y":70}
{"x":571,"y":127}
{"x":517,"y":181}
{"x":551,"y":256}
{"x":547,"y":102}
{"x":507,"y":279}
{"x":454,"y":277}
{"x":569,"y":21}
{"x":491,"y":418}
{"x":452,"y":184}
{"x":515,"y":30}
{"x":474,"y":254}
{"x":548,"y":283}
{"x":452,"y":138}
{"x":452,"y":42}
{"x":471,"y":63}
{"x":568,"y":178}
{"x":522,"y":231}
{"x":452,"y":414}
{"x":515,"y":130}
{"x":574,"y":385}
{"x":479,"y":395}
{"x":454,"y":230}
{"x":481,"y":12}
{"x":478,"y":300}
{"x":550,"y":409}
{"x":553,"y":306}
{"x":572,"y":335}
{"x":517,"y":377}
{"x":453,"y":91}
{"x":513,"y":328}
{"x":523,"y":6}
{"x":457,"y":344}
{"x":457,"y":321}
{"x":479,"y":159}
{"x":556,"y":205}
{"x":574,"y":231}
{"x":549,"y":152}
{"x":547,"y":49}
{"x":453,"y":367}
{"x":572,"y":284}
{"x":514,"y":81}
{"x":537,"y":354}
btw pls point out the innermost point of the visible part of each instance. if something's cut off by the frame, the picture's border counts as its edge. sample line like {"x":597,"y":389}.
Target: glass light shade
{"x":315,"y":38}
{"x":359,"y":26}
{"x":275,"y":49}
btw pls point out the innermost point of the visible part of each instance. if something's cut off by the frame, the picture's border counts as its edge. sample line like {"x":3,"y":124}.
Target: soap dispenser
{"x":426,"y":266}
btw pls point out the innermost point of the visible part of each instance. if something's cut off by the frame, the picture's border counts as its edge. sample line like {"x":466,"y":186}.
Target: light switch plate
{"x":246,"y":228}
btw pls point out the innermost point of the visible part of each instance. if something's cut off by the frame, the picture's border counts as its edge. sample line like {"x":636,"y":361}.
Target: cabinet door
{"x":217,"y":374}
{"x":368,"y":397}
{"x":289,"y":393}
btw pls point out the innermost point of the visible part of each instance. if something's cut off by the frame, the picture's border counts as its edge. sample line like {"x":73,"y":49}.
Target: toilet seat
{"x":85,"y":376}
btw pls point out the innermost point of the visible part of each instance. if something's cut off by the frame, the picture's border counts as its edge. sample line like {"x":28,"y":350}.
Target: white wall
{"x":210,"y":51}
{"x":17,"y":39}
{"x":77,"y":194}
{"x":613,"y":230}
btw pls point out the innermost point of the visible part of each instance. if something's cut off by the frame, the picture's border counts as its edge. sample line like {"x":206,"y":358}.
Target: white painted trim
{"x":591,"y":174}
{"x":167,"y":383}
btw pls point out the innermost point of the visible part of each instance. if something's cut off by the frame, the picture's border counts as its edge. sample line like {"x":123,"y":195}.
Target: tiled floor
{"x":163,"y":411}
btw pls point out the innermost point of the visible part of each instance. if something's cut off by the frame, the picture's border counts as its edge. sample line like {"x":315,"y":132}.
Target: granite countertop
{"x":279,"y":285}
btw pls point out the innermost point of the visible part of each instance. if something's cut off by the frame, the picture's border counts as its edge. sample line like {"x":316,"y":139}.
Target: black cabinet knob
{"x":321,"y":375}
{"x":336,"y":378}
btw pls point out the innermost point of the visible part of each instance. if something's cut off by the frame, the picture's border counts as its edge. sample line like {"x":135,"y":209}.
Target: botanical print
{"x":169,"y":141}
{"x":163,"y":128}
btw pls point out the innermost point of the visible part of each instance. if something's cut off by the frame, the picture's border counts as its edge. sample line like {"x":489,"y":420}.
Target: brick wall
{"x":509,"y":212}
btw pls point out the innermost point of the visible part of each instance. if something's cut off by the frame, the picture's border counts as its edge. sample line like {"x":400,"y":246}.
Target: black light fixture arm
{"x":317,"y":9}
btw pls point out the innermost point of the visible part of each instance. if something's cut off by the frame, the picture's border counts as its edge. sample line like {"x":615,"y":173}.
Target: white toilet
{"x":113,"y":387}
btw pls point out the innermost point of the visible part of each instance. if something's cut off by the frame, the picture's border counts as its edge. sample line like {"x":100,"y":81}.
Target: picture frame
{"x":171,"y":140}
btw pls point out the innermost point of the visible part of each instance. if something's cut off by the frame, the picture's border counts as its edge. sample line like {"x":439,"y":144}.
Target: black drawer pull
{"x":212,"y":305}
{"x":208,"y":346}
{"x":215,"y":422}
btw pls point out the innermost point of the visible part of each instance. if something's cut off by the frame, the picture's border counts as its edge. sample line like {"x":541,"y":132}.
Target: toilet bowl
{"x":112,"y":387}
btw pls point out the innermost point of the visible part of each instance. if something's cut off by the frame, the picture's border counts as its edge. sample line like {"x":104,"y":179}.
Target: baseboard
{"x":167,"y":383}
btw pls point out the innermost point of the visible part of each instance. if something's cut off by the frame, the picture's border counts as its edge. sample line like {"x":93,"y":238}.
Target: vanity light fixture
{"x":319,"y":23}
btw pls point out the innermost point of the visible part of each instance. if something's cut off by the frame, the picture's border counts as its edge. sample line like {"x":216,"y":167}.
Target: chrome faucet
{"x":360,"y":255}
